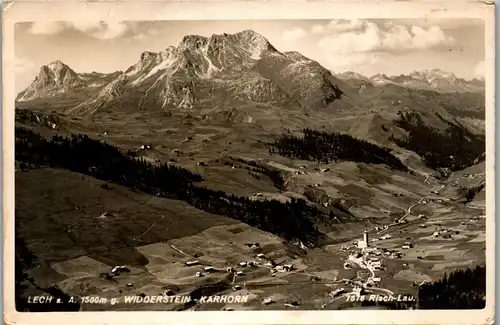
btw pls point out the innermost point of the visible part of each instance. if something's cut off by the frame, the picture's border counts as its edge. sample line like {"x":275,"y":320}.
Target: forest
{"x":79,"y":153}
{"x":455,"y":149}
{"x":461,"y":289}
{"x":327,"y":147}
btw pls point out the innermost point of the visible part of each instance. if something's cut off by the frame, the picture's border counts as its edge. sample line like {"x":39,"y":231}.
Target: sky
{"x":366,"y":46}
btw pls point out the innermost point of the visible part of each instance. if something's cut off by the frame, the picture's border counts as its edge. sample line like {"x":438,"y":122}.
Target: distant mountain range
{"x":433,"y":79}
{"x":242,"y":78}
{"x":219,"y":71}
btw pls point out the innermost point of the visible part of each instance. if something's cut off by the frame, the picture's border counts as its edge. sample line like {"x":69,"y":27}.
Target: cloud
{"x":342,"y":26}
{"x":340,"y":62}
{"x":46,"y":28}
{"x":97,"y":29}
{"x":146,"y":33}
{"x":86,"y":26}
{"x":349,"y":43}
{"x":366,"y":36}
{"x":317,"y":29}
{"x":479,"y":70}
{"x":294,"y":34}
{"x":111,"y":30}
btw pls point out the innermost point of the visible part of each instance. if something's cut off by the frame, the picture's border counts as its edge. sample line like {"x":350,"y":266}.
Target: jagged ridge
{"x":433,"y":79}
{"x":201,"y":71}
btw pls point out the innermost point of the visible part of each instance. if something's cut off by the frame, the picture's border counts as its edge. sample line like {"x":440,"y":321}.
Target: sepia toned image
{"x":250,"y":165}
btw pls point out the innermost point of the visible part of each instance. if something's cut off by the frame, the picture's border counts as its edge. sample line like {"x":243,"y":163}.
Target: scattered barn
{"x":191,"y":263}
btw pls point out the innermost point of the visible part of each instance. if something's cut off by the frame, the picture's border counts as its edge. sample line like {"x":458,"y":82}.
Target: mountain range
{"x":217,"y":71}
{"x":199,"y":71}
{"x":430,"y":79}
{"x":242,"y":78}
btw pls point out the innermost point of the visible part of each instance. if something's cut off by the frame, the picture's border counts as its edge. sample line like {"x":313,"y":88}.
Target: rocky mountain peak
{"x":193,"y":42}
{"x":53,"y":78}
{"x":57,"y":65}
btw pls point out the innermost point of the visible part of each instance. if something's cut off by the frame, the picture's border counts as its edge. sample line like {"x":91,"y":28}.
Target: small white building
{"x":362,"y":244}
{"x":365,"y":243}
{"x":243,"y":264}
{"x":335,"y":293}
{"x":239,"y":273}
{"x":191,"y":263}
{"x":267,"y":301}
{"x":260,"y":255}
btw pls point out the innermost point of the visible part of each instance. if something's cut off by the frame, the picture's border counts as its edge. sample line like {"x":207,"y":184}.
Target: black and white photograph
{"x":239,"y":165}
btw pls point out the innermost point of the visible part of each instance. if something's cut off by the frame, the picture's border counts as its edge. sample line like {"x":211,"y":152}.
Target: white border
{"x":219,"y":10}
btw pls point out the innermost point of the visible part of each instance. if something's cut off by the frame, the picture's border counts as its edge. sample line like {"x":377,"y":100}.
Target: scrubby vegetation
{"x":462,"y":289}
{"x":79,"y":153}
{"x":325,"y":147}
{"x":455,"y":148}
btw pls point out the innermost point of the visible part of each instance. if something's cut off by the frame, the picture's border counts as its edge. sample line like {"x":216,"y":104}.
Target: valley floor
{"x":78,"y":231}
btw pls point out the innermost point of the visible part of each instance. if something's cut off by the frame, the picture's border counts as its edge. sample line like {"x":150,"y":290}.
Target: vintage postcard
{"x":294,"y":163}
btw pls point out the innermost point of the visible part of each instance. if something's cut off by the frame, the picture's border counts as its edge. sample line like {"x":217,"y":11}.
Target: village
{"x":369,"y":257}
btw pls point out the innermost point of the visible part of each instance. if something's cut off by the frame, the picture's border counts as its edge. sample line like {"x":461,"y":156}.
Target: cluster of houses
{"x":270,"y":264}
{"x":445,"y":233}
{"x":375,"y":263}
{"x":373,"y":282}
{"x":436,"y":200}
